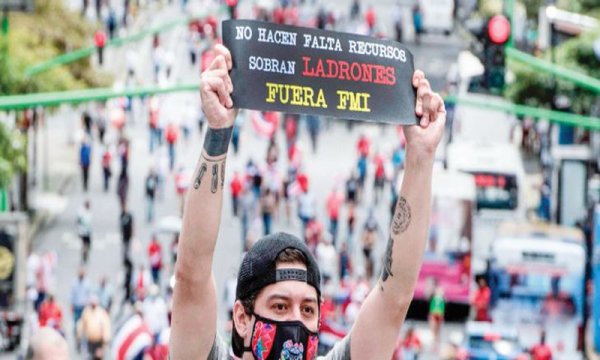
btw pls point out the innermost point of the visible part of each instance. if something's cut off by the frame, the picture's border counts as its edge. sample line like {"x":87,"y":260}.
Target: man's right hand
{"x":215,"y":90}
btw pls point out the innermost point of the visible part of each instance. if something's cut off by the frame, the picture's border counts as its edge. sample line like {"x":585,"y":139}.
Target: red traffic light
{"x":498,"y":29}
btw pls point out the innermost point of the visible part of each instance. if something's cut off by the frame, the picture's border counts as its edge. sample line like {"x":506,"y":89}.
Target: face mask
{"x":282,"y":340}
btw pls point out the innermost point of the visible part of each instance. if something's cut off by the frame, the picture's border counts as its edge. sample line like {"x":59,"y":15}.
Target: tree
{"x":12,"y":155}
{"x":535,"y":89}
{"x":33,"y":38}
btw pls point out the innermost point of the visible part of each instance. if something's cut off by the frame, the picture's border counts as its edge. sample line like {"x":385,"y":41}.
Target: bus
{"x":448,"y":252}
{"x":536,"y":277}
{"x":501,"y":190}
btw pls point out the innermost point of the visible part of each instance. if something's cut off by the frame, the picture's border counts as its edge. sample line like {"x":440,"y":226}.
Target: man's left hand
{"x":423,"y":139}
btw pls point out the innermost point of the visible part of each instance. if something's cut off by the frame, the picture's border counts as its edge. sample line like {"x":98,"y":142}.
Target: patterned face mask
{"x":282,"y":340}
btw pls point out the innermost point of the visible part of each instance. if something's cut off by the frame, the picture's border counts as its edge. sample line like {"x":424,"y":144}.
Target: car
{"x":488,"y":341}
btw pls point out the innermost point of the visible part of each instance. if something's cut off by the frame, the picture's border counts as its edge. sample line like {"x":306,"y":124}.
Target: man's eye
{"x":309,"y":310}
{"x":279,"y":306}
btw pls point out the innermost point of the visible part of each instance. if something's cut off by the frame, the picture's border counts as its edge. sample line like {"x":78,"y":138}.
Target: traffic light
{"x":497,"y":34}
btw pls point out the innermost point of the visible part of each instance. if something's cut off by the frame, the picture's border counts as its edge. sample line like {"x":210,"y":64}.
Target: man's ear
{"x":241,"y":320}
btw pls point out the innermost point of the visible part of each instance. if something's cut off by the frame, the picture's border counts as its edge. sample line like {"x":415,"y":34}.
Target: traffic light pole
{"x":510,"y":12}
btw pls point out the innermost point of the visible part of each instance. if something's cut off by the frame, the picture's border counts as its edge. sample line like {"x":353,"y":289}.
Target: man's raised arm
{"x":378,"y":324}
{"x":195,"y":301}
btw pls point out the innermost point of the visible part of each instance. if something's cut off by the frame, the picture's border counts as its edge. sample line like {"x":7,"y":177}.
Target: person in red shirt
{"x":50,"y":314}
{"x":379,"y":176}
{"x":370,"y":19}
{"x":409,"y":347}
{"x":481,"y":301}
{"x":363,"y":146}
{"x":155,"y":255}
{"x":541,"y":351}
{"x":236,"y":187}
{"x":171,"y":135}
{"x":334,"y":202}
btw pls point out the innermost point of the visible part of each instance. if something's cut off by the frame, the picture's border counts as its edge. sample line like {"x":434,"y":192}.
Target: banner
{"x":310,"y":71}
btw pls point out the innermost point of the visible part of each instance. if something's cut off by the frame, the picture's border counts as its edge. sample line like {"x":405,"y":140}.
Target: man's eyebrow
{"x":310,"y":299}
{"x":278,"y":297}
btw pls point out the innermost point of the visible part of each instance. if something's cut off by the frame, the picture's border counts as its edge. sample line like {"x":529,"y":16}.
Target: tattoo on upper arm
{"x":402,"y":216}
{"x":400,"y":223}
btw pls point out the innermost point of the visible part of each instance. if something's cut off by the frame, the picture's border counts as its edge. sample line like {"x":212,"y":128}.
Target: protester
{"x":541,"y":351}
{"x":106,"y":168}
{"x":155,"y":256}
{"x":369,"y":238}
{"x":105,"y":294}
{"x":281,"y":263}
{"x":481,"y":300}
{"x":151,"y":185}
{"x":326,"y":258}
{"x":50,"y":314}
{"x":94,"y":328}
{"x":417,"y":17}
{"x":126,"y":225}
{"x":437,"y":310}
{"x":171,"y":137}
{"x":80,"y":295}
{"x":267,"y":208}
{"x":334,"y":202}
{"x":155,"y":311}
{"x":85,"y":156}
{"x":235,"y":187}
{"x":84,"y":229}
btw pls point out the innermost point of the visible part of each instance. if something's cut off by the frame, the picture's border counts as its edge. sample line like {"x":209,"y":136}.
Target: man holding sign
{"x":277,"y":308}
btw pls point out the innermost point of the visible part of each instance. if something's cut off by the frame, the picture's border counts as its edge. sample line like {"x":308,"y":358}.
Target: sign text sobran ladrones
{"x":309,"y":71}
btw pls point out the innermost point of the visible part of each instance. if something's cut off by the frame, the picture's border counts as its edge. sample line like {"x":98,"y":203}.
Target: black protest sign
{"x":310,"y":71}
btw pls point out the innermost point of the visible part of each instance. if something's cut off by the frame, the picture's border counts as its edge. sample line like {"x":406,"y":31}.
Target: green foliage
{"x":579,"y":6}
{"x":532,"y":8}
{"x":52,"y":30}
{"x":12,"y":154}
{"x":536,"y":89}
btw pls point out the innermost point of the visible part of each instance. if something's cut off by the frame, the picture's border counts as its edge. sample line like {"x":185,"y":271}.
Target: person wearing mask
{"x":278,"y":294}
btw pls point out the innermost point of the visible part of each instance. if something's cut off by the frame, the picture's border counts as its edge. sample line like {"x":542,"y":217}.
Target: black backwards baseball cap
{"x":258,"y":270}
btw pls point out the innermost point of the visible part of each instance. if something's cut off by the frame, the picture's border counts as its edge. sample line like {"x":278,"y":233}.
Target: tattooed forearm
{"x":400,"y":223}
{"x":216,"y":141}
{"x":387,"y":263}
{"x":201,"y":173}
{"x":215,"y":178}
{"x":401,"y":216}
{"x":222,"y":174}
